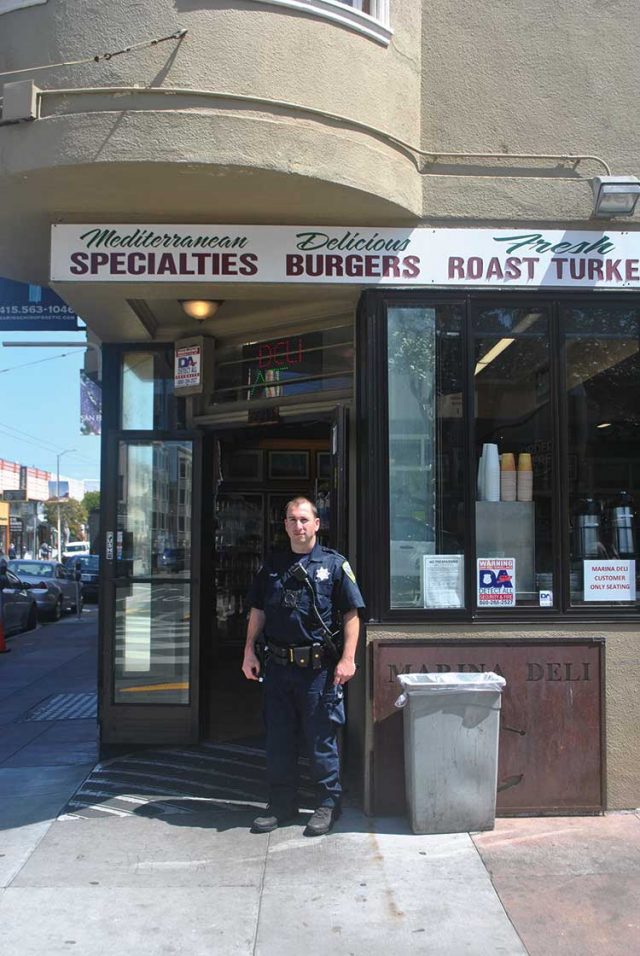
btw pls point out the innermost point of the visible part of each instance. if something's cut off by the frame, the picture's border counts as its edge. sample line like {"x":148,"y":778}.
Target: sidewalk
{"x":151,"y":853}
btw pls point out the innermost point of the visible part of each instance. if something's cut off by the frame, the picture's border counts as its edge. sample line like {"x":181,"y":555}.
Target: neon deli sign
{"x":280,"y":355}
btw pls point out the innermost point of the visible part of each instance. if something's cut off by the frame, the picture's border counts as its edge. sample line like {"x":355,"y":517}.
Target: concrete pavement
{"x":151,"y":853}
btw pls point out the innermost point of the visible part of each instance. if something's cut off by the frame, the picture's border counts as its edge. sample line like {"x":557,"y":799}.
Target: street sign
{"x":26,"y":307}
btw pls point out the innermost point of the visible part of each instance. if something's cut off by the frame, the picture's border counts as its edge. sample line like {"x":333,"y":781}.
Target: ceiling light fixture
{"x":615,"y":195}
{"x":200,"y":309}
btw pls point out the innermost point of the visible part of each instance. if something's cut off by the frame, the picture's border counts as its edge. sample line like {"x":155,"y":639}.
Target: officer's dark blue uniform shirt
{"x":335,"y":590}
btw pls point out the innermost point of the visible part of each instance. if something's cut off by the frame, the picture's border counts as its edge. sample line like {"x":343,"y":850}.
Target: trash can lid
{"x":454,"y":681}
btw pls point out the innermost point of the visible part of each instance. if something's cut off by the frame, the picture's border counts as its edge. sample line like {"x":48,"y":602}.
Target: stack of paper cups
{"x":491,"y":473}
{"x":481,"y":473}
{"x":525,"y":477}
{"x":507,"y":477}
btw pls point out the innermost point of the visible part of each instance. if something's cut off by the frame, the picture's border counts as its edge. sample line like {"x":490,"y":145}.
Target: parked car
{"x":89,"y":574}
{"x":173,"y":559}
{"x":18,"y":604}
{"x":50,"y":584}
{"x":73,"y":548}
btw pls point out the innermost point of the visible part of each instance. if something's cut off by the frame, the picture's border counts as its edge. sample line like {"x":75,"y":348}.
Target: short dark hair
{"x":300,"y":501}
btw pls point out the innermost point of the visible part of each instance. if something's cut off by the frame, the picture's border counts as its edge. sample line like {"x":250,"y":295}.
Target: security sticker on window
{"x":545,"y":598}
{"x":496,"y":582}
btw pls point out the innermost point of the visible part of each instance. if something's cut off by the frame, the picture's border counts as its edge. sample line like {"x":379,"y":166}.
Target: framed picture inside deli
{"x":289,"y":464}
{"x":244,"y":464}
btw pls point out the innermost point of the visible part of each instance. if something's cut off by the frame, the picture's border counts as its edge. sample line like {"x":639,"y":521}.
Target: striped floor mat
{"x":161,"y":782}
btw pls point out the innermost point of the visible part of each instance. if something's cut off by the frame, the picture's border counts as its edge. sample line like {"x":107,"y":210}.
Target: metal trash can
{"x":451,"y":731}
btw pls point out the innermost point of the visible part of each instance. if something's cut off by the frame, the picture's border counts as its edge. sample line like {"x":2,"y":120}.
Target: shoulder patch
{"x":346,"y":567}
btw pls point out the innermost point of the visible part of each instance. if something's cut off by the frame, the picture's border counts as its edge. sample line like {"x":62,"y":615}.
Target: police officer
{"x":295,"y":600}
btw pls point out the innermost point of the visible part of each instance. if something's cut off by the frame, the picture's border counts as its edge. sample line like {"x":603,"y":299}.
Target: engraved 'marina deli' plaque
{"x":550,"y":758}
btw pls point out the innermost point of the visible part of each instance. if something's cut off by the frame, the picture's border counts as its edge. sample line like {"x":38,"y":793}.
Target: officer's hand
{"x":344,"y":671}
{"x":251,"y":666}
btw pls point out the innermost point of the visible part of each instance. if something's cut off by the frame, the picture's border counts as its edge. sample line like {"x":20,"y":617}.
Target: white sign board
{"x":496,"y":582}
{"x":443,"y":580}
{"x":609,"y":580}
{"x":188,"y":367}
{"x":337,"y":255}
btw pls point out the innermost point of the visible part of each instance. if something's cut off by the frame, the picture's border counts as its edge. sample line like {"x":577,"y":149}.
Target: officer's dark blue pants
{"x":302,"y":699}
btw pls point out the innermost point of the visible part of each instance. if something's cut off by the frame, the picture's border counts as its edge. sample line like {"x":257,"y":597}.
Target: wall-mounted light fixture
{"x":200,"y":309}
{"x":615,"y":195}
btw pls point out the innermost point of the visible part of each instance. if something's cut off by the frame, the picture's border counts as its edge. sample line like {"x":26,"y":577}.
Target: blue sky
{"x":40,"y":405}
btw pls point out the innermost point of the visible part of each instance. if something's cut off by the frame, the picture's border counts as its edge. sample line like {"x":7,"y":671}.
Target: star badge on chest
{"x":322,"y":574}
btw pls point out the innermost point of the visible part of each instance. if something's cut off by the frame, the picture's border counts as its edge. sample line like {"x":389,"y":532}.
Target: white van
{"x":74,"y":548}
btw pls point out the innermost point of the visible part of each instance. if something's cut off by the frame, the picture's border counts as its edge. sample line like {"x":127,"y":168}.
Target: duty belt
{"x":306,"y":655}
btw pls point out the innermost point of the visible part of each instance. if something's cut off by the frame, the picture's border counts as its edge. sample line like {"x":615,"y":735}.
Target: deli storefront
{"x":462,"y":405}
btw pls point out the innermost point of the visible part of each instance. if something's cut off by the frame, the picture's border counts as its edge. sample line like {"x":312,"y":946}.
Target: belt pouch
{"x":277,"y":655}
{"x":302,"y":656}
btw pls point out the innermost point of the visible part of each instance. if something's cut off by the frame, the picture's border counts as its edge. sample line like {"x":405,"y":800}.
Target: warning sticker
{"x":496,"y":582}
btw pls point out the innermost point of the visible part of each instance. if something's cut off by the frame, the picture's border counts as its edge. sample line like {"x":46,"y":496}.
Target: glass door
{"x":150,"y":612}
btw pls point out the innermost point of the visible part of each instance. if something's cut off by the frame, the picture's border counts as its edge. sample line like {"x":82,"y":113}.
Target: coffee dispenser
{"x":620,"y":521}
{"x":587,"y":531}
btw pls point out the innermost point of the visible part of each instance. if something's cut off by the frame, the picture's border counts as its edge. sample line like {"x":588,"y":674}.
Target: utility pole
{"x":58,"y":457}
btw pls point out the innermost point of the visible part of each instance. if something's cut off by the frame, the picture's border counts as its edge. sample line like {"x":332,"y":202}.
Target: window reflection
{"x":148,"y":399}
{"x":425,"y":457}
{"x":153,"y":535}
{"x":152,"y":644}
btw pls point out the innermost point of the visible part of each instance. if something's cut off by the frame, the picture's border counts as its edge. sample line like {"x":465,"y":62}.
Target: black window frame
{"x":372,"y":459}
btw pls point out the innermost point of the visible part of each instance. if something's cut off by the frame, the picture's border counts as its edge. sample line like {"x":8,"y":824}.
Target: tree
{"x":73,"y":515}
{"x":91,"y":501}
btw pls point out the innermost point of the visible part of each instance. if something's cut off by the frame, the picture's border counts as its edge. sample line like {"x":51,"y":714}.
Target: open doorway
{"x":255,"y":471}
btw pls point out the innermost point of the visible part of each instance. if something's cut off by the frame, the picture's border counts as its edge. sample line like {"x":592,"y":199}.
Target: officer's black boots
{"x":321,"y":821}
{"x":274,"y":817}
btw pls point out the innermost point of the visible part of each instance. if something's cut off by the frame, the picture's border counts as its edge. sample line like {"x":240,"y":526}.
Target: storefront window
{"x":152,"y":643}
{"x":514,"y":457}
{"x":549,"y":462}
{"x":426,"y":459}
{"x":148,"y":398}
{"x":602,"y":359}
